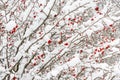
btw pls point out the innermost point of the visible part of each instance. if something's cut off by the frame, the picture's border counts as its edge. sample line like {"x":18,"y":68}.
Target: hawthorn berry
{"x":49,"y":41}
{"x":66,"y":44}
{"x":14,"y":78}
{"x":97,"y":8}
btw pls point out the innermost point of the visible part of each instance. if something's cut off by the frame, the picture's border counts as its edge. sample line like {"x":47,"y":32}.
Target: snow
{"x":103,"y":66}
{"x":27,"y":76}
{"x":116,"y":69}
{"x":35,"y":25}
{"x":57,"y":70}
{"x":115,"y":42}
{"x":107,"y":21}
{"x":107,"y":56}
{"x":2,"y":69}
{"x":17,"y":43}
{"x":115,"y":49}
{"x":48,"y":28}
{"x":25,"y":14}
{"x":47,"y":37}
{"x":59,"y":58}
{"x":10,"y":25}
{"x":49,"y":6}
{"x":88,"y":32}
{"x":74,"y":61}
{"x":99,"y":74}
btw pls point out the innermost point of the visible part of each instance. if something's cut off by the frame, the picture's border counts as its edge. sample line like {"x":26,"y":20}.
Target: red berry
{"x":108,"y":47}
{"x":49,"y":41}
{"x":102,"y":52}
{"x":95,"y":49}
{"x":34,"y":16}
{"x":94,"y":52}
{"x":55,"y":15}
{"x":40,"y":4}
{"x":69,"y":18}
{"x":83,"y":68}
{"x":92,"y":19}
{"x":81,"y":51}
{"x":66,"y":44}
{"x":16,"y":26}
{"x":74,"y":75}
{"x":74,"y":19}
{"x":34,"y":64}
{"x":72,"y":29}
{"x":111,"y":25}
{"x":59,"y":42}
{"x":42,"y":60}
{"x":38,"y":57}
{"x":96,"y":60}
{"x":97,"y":8}
{"x":113,"y":39}
{"x":42,"y":55}
{"x":14,"y":78}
